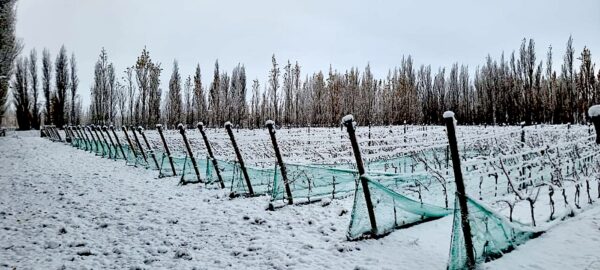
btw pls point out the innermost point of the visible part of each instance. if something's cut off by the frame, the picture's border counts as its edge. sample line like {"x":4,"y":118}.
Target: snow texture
{"x":448,"y":114}
{"x":594,"y":111}
{"x":347,"y":118}
{"x":65,"y":208}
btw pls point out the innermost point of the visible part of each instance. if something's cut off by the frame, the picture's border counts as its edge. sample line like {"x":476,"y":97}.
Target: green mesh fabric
{"x":165,"y":169}
{"x":392,"y":210}
{"x":492,"y":234}
{"x":310,"y":183}
{"x":261,"y":179}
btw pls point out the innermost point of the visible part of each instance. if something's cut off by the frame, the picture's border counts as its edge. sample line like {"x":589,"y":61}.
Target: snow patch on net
{"x":594,"y":111}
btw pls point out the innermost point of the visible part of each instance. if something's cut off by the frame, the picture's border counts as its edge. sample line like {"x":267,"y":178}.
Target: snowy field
{"x":60,"y":206}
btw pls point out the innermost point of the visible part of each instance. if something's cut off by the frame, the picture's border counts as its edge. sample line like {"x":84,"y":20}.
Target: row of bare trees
{"x":61,"y":103}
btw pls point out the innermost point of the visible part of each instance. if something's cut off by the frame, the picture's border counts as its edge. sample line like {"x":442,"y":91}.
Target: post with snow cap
{"x":162,"y":137}
{"x":271,"y":126}
{"x":190,"y":154}
{"x":348,"y":121}
{"x":150,"y":150}
{"x":83,"y":136}
{"x":105,"y":141}
{"x":95,"y":128}
{"x":90,"y":141}
{"x":137,"y":142}
{"x":239,"y":158}
{"x":112,"y":143}
{"x":94,"y":139}
{"x":460,"y":188}
{"x":118,"y":141}
{"x":57,"y":133}
{"x":210,"y":154}
{"x":73,"y":137}
{"x":124,"y":128}
{"x":594,"y":113}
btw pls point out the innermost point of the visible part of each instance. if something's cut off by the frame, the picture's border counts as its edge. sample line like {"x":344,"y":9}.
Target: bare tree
{"x":9,"y":49}
{"x":73,"y":87}
{"x":33,"y":77}
{"x":20,"y":90}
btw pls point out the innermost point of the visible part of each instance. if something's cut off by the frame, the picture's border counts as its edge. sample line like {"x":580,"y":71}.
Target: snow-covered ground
{"x":60,"y":206}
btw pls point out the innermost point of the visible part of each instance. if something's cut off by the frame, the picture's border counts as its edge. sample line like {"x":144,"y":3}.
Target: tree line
{"x":518,"y":87}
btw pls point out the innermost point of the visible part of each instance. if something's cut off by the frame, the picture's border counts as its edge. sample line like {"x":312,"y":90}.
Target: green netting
{"x":74,"y":142}
{"x":101,"y":148}
{"x":392,"y":210}
{"x":165,"y":169}
{"x":206,"y":171}
{"x":261,"y":179}
{"x":310,"y":183}
{"x":492,"y":235}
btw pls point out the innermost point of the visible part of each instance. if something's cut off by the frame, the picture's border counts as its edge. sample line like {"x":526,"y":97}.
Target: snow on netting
{"x":492,"y":235}
{"x":392,"y":209}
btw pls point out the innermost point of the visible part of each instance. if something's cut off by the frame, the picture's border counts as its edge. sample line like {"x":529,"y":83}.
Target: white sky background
{"x":315,"y":33}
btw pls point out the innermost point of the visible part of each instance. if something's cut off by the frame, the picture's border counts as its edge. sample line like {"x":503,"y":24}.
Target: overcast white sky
{"x":343,"y":33}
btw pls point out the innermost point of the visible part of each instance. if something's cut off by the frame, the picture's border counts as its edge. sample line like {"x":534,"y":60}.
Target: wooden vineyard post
{"x":523,"y":133}
{"x":104,"y":139}
{"x":162,"y":137}
{"x":594,"y":113}
{"x":118,"y":141}
{"x":270,"y":125}
{"x":348,"y":121}
{"x":239,"y":158}
{"x":57,"y":133}
{"x":189,"y":150}
{"x":129,"y":141}
{"x":152,"y":154}
{"x":88,"y":141}
{"x":68,"y":137}
{"x":137,"y":142}
{"x":95,"y":129}
{"x":460,"y":188}
{"x":112,"y":143}
{"x":73,"y":137}
{"x":210,"y":154}
{"x":89,"y":129}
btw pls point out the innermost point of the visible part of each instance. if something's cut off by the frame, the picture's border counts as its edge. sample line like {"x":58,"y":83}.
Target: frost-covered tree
{"x":10,"y":47}
{"x":73,"y":87}
{"x":61,"y":67}
{"x":173,"y":102}
{"x":46,"y":87}
{"x":20,"y":90}
{"x":33,"y":78}
{"x":274,"y":87}
{"x":199,"y":99}
{"x":188,"y":106}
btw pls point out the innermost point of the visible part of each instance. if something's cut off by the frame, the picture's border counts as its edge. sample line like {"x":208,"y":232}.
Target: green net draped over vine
{"x":492,"y":234}
{"x":392,"y":210}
